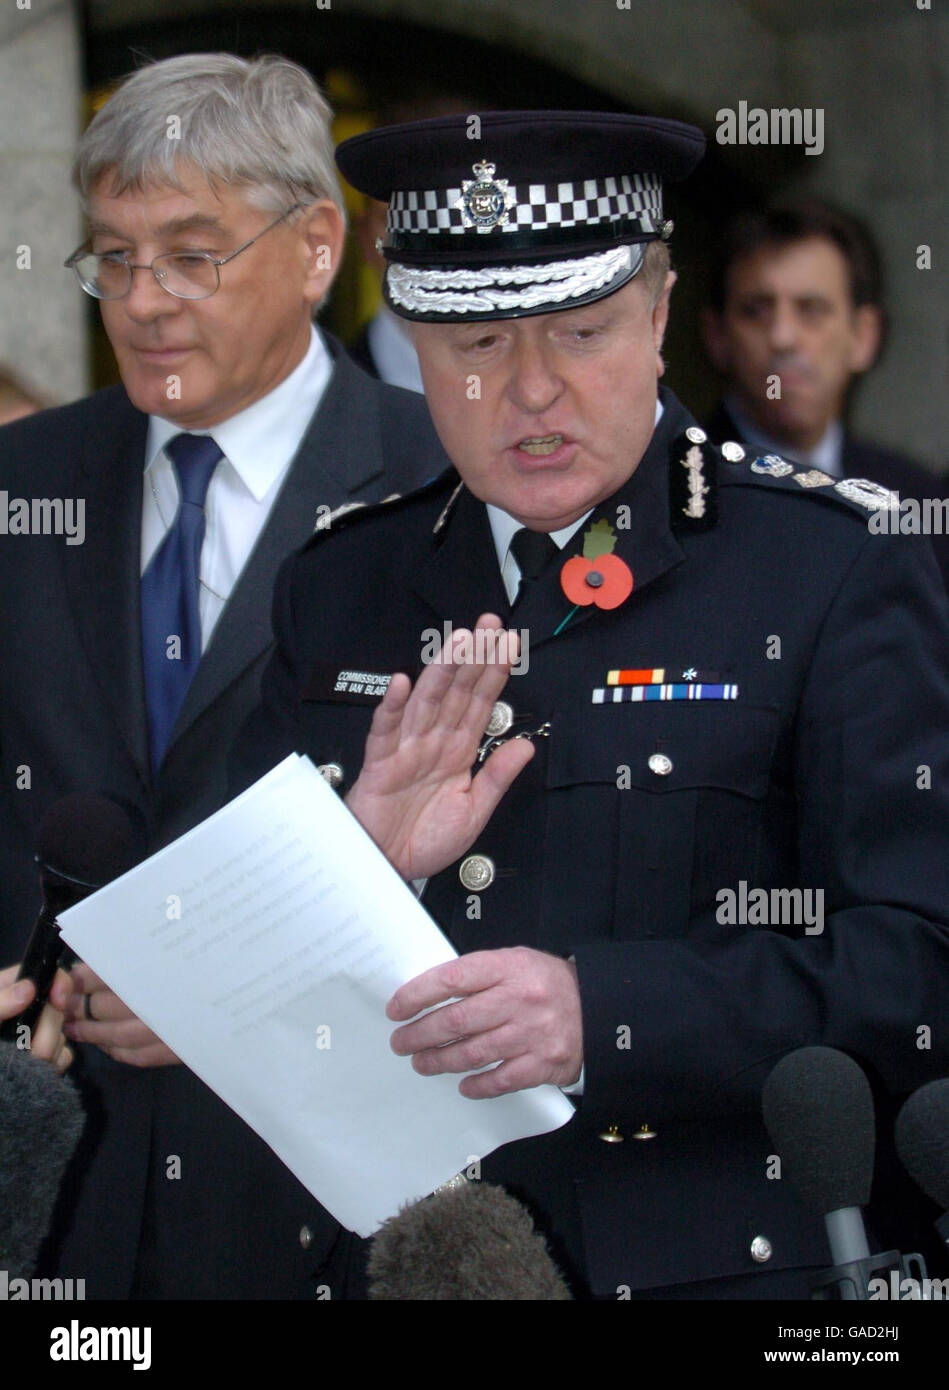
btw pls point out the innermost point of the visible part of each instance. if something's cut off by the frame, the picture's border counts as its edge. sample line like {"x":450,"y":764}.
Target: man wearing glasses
{"x":130,"y":660}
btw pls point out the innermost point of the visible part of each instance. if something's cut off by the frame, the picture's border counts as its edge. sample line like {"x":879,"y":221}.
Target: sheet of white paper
{"x":262,"y":947}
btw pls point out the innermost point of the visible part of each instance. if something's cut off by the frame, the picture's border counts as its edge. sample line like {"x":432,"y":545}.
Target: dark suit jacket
{"x":861,"y":459}
{"x":808,"y":778}
{"x":72,"y":712}
{"x":360,"y":351}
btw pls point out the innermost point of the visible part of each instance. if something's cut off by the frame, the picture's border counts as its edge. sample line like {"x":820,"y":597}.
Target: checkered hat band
{"x":537,"y":207}
{"x":504,"y":288}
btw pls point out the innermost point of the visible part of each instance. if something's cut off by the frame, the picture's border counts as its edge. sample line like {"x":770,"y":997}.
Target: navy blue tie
{"x":171,"y":619}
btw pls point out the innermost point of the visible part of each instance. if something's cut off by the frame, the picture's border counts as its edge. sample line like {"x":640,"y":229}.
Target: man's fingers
{"x":465,"y":975}
{"x":483,"y":667}
{"x":425,"y":707}
{"x":64,"y":993}
{"x":495,"y":778}
{"x":443,"y":690}
{"x":383,"y":737}
{"x":47,"y":1039}
{"x":15,"y":996}
{"x":87,"y":980}
{"x":93,"y":1002}
{"x":472,"y":1015}
{"x":475,"y":667}
{"x":518,"y":1074}
{"x":154,"y":1055}
{"x":104,"y":1006}
{"x":124,"y":1031}
{"x":467,"y":1054}
{"x":489,"y":620}
{"x":455,"y":690}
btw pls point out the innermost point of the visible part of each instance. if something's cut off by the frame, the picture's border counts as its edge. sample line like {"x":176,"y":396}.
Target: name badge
{"x":348,"y":685}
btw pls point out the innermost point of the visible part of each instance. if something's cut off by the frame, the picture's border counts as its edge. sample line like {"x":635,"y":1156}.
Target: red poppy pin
{"x":597,"y":576}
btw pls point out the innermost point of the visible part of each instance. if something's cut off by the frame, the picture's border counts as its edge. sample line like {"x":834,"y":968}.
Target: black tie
{"x":533,"y":551}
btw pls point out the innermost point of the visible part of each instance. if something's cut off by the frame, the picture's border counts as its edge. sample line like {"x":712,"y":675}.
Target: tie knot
{"x":533,"y":551}
{"x":195,"y":457}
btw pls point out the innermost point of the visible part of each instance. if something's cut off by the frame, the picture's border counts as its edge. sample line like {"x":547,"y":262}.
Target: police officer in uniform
{"x":731,"y":684}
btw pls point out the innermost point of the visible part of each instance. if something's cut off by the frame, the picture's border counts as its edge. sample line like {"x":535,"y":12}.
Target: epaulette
{"x":351,"y":513}
{"x":770,"y":470}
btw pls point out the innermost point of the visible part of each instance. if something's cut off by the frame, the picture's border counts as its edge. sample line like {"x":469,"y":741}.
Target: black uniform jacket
{"x":862,"y":459}
{"x":72,"y":713}
{"x":829,"y":772}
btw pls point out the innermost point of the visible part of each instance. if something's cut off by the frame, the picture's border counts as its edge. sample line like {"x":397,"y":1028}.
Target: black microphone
{"x":922,"y":1142}
{"x":41,"y":1119}
{"x":85,"y":841}
{"x":818,"y":1109}
{"x":468,"y":1241}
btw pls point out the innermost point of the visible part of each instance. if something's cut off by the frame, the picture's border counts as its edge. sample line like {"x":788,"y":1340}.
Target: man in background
{"x":796,"y":316}
{"x":133,"y":649}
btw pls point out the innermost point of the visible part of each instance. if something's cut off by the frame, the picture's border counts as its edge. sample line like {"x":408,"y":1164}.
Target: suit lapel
{"x":340,"y":454}
{"x":102,"y":575}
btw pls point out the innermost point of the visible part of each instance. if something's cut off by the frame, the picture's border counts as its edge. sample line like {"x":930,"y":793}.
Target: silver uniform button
{"x":761,"y":1249}
{"x":732,"y":451}
{"x":660,"y":764}
{"x":502,"y":717}
{"x":332,"y":772}
{"x":306,"y":1237}
{"x":695,"y":436}
{"x":477,"y":872}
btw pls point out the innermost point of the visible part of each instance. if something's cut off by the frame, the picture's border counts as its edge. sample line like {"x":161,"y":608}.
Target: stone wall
{"x":42,"y":314}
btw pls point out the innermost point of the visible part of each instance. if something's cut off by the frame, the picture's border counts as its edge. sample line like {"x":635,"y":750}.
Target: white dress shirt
{"x":259,"y":445}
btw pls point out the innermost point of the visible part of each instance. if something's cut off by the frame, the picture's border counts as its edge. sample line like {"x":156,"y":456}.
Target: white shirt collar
{"x":826,"y":454}
{"x":258,"y":441}
{"x":504,"y":527}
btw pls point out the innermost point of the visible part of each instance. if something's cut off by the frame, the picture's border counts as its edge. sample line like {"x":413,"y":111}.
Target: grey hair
{"x":656,"y":265}
{"x":262,"y":123}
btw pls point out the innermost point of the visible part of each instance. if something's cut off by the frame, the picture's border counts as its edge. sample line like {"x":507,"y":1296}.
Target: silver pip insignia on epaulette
{"x":692,"y":484}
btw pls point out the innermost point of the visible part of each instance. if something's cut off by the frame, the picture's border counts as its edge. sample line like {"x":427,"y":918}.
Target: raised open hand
{"x":415,"y":794}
